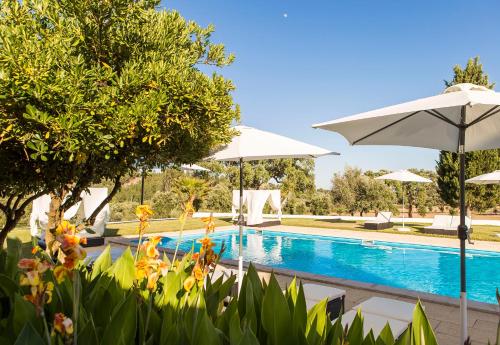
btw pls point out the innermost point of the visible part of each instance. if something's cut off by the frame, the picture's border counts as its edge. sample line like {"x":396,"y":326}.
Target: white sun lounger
{"x":91,"y":200}
{"x":444,"y":224}
{"x":382,"y":221}
{"x":387,"y":307}
{"x":376,"y":323}
{"x":314,"y":293}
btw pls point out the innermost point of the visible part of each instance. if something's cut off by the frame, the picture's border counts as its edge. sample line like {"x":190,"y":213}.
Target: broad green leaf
{"x":121,"y":329}
{"x":276,"y":318}
{"x":29,"y":336}
{"x":123,"y":270}
{"x":102,"y":263}
{"x":369,"y":339}
{"x":385,"y":337}
{"x":316,"y":323}
{"x":23,"y":312}
{"x":248,"y":338}
{"x":355,"y":332}
{"x":422,"y":332}
{"x":235,"y":332}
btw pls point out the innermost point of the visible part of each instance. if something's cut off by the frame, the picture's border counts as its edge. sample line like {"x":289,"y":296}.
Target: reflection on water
{"x":421,"y":268}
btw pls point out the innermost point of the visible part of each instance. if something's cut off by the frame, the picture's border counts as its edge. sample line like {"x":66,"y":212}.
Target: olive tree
{"x":89,"y":90}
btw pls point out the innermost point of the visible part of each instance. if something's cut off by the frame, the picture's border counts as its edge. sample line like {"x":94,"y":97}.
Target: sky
{"x":304,"y":62}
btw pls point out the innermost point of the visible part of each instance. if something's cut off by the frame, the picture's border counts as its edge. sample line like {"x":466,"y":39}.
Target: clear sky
{"x":304,"y":62}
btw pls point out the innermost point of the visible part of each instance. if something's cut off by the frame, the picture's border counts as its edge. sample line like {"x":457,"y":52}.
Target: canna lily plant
{"x":149,"y":299}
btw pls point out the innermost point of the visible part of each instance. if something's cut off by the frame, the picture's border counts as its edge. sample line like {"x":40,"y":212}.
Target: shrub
{"x":165,"y":204}
{"x":123,"y":210}
{"x":321,"y":204}
{"x":218,"y":198}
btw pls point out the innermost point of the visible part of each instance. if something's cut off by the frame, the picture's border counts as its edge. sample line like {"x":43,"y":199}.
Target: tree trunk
{"x":56,"y":215}
{"x":8,"y":227}
{"x":410,"y":210}
{"x":90,"y":220}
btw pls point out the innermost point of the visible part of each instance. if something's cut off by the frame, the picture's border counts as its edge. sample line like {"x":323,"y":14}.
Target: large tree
{"x":478,"y":162}
{"x":90,"y":89}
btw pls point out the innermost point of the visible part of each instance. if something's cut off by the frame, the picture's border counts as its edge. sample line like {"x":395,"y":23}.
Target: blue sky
{"x":304,"y":62}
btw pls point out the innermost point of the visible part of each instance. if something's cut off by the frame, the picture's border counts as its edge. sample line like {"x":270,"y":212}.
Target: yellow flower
{"x":209,"y":223}
{"x":197,"y":273}
{"x":189,"y":283}
{"x":143,"y":212}
{"x":62,"y":324}
{"x":152,"y":279}
{"x":163,"y":268}
{"x":60,"y":273}
{"x":65,"y":227}
{"x":151,"y":250}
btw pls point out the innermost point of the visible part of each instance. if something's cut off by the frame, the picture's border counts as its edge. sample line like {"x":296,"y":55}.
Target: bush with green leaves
{"x":109,"y":306}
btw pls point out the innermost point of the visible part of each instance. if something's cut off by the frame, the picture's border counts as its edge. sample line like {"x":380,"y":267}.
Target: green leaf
{"x":23,"y":312}
{"x":123,"y":270}
{"x":102,"y":263}
{"x":235,"y":332}
{"x":248,"y":338}
{"x":369,"y":339}
{"x":385,"y":337}
{"x":121,"y":329}
{"x":276,"y":318}
{"x":355,"y":332}
{"x":29,"y":336}
{"x":316,"y":323}
{"x":422,"y":332}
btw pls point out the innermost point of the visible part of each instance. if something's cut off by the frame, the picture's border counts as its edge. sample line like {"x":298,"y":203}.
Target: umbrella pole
{"x":142,"y":186}
{"x":462,"y":233}
{"x":403,"y":185}
{"x":241,"y":220}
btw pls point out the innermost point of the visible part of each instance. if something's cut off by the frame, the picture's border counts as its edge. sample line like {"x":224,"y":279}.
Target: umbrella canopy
{"x":431,"y":122}
{"x":489,"y":178}
{"x":463,"y":118}
{"x":254,"y":144}
{"x":403,"y":176}
{"x":193,"y":167}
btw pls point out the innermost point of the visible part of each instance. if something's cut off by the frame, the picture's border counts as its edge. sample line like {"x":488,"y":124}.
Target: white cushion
{"x":317,"y":292}
{"x":387,"y":307}
{"x":376,"y":323}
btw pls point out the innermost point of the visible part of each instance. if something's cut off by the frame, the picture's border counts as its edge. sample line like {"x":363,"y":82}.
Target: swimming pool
{"x":416,"y":267}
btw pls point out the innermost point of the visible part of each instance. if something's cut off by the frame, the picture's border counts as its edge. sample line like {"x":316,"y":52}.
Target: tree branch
{"x":90,"y":220}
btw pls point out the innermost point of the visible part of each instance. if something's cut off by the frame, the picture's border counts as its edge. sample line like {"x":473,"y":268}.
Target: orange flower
{"x":151,"y":250}
{"x":209,"y":223}
{"x":152,"y":279}
{"x":197,"y":273}
{"x":62,"y":324}
{"x":26,"y":264}
{"x":143,"y":212}
{"x":189,"y":283}
{"x":163,"y":268}
{"x":65,"y":227}
{"x":60,"y":273}
{"x":195,"y":256}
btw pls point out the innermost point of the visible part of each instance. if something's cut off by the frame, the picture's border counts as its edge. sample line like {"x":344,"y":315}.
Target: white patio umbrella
{"x":403,"y":176}
{"x":253,"y":144}
{"x":489,"y":178}
{"x":193,"y":167}
{"x":463,"y":118}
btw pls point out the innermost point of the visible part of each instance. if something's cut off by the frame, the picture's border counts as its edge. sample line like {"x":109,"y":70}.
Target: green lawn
{"x":122,"y":229}
{"x":481,"y":232}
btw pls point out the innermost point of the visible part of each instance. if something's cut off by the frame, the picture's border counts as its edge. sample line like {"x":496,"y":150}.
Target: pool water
{"x":416,"y":267}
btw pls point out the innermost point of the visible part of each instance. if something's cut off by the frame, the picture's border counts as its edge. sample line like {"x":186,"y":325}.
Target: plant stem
{"x":76,"y":299}
{"x":150,"y":305}
{"x":45,"y":327}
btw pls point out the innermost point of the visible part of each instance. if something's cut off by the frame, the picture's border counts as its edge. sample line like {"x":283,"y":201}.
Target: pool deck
{"x":443,"y":312}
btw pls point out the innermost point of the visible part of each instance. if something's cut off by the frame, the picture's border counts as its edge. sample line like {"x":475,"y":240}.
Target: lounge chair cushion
{"x":317,"y":292}
{"x":376,"y":323}
{"x":387,"y":307}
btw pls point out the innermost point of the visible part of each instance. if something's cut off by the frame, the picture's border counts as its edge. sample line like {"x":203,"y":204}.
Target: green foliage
{"x":116,"y":311}
{"x":478,"y":197}
{"x":354,"y":192}
{"x":321,"y":203}
{"x":89,"y":90}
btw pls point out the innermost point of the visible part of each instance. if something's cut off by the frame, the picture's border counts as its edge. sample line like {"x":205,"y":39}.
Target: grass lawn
{"x":481,"y":232}
{"x":122,"y":229}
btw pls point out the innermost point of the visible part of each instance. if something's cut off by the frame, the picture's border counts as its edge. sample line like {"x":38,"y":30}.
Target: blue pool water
{"x":416,"y":267}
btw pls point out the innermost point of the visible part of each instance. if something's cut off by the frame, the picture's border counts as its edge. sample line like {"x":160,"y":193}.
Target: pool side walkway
{"x":443,"y":312}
